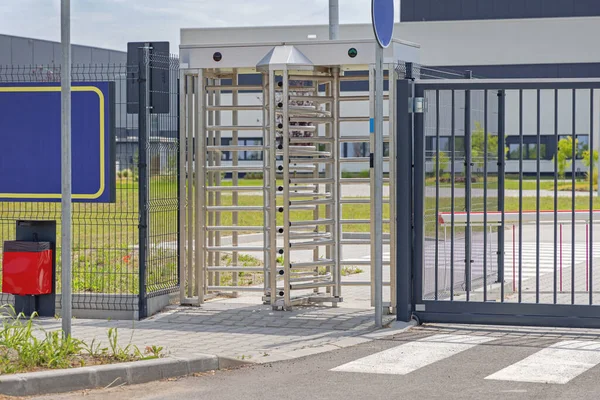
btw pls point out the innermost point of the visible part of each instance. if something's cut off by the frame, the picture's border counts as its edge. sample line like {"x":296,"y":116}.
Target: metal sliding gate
{"x":504,"y":180}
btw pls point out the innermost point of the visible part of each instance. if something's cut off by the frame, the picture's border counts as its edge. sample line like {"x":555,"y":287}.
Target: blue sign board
{"x":382,"y":13}
{"x":30,"y":145}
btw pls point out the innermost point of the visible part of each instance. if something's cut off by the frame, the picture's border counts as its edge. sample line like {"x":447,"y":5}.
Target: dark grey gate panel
{"x":504,"y":197}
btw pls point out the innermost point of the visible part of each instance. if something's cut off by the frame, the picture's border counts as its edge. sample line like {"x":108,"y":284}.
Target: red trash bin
{"x":27,"y":268}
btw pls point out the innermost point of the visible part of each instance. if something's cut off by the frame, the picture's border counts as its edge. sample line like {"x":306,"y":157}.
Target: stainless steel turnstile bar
{"x":359,"y":98}
{"x":184,"y":249}
{"x":235,"y":108}
{"x":200,"y":183}
{"x":234,"y":88}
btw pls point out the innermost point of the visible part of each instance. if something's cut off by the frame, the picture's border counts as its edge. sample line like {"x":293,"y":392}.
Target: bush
{"x":253,"y":175}
{"x":457,"y":179}
{"x":126,"y":173}
{"x":594,"y":176}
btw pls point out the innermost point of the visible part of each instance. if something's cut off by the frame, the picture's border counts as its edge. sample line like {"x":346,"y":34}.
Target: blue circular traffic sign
{"x":382,"y":12}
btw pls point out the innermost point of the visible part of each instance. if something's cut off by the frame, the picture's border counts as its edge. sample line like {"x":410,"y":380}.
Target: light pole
{"x":334,"y":20}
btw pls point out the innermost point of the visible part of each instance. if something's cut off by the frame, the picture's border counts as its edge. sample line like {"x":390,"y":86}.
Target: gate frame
{"x":411,"y":131}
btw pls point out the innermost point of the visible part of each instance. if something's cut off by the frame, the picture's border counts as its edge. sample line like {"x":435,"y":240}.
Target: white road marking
{"x":412,"y":356}
{"x":557,"y":364}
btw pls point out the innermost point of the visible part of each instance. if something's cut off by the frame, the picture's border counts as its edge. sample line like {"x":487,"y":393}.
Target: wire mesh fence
{"x":106,"y":236}
{"x":162,"y":147}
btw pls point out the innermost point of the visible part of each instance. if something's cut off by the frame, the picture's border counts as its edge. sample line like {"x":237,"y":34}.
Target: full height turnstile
{"x":283,"y":119}
{"x":303,"y":128}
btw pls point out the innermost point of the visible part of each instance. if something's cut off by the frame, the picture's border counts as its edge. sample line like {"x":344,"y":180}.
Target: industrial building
{"x":490,"y":38}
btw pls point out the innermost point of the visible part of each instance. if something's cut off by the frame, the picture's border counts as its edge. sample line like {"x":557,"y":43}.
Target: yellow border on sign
{"x":24,"y":89}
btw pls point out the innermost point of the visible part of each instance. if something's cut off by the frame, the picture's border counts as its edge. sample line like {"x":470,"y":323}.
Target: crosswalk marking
{"x":412,"y":356}
{"x":557,"y":364}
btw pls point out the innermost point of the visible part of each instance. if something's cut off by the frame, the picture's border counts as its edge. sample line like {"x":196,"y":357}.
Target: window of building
{"x":514,"y":151}
{"x":242,"y":155}
{"x":530,"y":151}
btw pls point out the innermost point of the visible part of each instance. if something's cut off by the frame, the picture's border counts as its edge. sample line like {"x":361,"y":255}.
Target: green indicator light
{"x":352,"y":52}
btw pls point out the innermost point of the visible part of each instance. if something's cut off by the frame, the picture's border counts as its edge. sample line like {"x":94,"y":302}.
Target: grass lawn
{"x":105,"y":236}
{"x":512,"y":183}
{"x":510,"y":204}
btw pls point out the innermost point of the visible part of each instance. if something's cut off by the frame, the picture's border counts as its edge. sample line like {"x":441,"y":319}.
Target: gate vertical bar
{"x":555,"y":197}
{"x":591,"y":206}
{"x":501,"y":168}
{"x":537,"y":200}
{"x":404,"y":203}
{"x":468,"y":167}
{"x":437,"y":191}
{"x":485,"y":192}
{"x":573,"y":193}
{"x":144,"y":76}
{"x":520,"y":295}
{"x":419,"y":187}
{"x":452,"y":199}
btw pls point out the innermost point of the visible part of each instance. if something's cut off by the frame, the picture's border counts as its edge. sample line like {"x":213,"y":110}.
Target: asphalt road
{"x":464,"y":364}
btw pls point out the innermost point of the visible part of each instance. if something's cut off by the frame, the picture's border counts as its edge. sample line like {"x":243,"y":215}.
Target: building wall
{"x":454,"y":10}
{"x":450,"y":43}
{"x":16,"y":50}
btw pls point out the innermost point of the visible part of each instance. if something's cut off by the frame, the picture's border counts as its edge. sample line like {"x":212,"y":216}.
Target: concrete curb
{"x":102,"y":376}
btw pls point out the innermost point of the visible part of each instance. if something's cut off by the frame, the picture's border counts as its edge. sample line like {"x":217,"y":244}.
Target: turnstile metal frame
{"x":202,"y":199}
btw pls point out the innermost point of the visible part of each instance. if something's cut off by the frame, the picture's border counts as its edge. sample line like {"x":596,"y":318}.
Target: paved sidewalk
{"x":242,"y":328}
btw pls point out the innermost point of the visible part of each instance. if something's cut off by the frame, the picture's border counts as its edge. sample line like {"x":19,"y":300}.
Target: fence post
{"x":501,"y":164}
{"x":143,"y":73}
{"x":179,"y":143}
{"x":468,"y":177}
{"x":404,"y":238}
{"x":418,"y":195}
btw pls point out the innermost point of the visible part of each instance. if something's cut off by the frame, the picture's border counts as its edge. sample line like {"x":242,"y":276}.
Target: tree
{"x":586,"y":158}
{"x":564,"y":155}
{"x":478,"y":146}
{"x":586,"y":162}
{"x":443,"y":162}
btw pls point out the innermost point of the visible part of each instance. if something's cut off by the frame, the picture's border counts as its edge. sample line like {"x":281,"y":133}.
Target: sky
{"x":113,"y":23}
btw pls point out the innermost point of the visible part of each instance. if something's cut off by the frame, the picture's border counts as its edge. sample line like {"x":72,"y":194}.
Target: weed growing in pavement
{"x":26,"y":347}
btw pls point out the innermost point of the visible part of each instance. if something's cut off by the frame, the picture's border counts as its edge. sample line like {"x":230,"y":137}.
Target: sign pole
{"x":382,"y":14}
{"x":378,"y":200}
{"x":66,"y":209}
